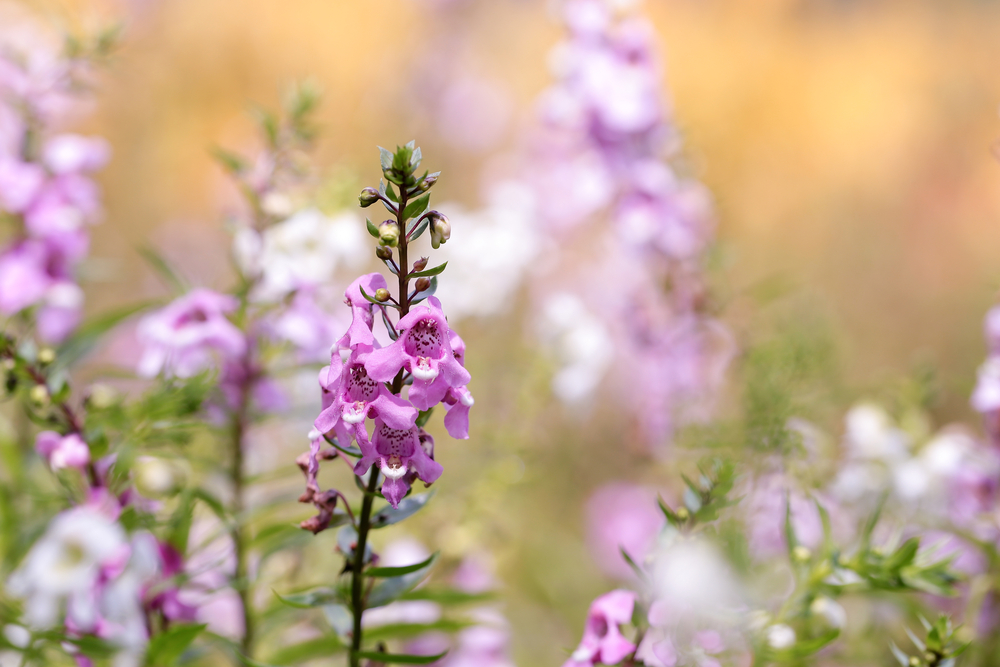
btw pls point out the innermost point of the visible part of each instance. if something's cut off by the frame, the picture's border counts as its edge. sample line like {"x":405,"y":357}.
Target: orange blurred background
{"x":847,"y":143}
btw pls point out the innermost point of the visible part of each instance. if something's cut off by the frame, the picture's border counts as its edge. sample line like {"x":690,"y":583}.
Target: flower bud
{"x":801,"y":554}
{"x":440,"y":229}
{"x":383,"y":252}
{"x":388,"y":233}
{"x":39,"y":394}
{"x":157,"y":478}
{"x":682,"y":513}
{"x":420,"y":264}
{"x":101,"y":396}
{"x":422,"y":284}
{"x":382,"y":295}
{"x":368,"y":197}
{"x":46,"y":356}
{"x":427,"y":183}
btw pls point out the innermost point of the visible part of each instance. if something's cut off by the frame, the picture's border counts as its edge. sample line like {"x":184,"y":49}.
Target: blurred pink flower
{"x":622,"y":516}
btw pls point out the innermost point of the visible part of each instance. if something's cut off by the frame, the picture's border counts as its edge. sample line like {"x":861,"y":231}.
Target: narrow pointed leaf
{"x":416,"y":207}
{"x":385,"y":157}
{"x":386,"y":572}
{"x":430,"y":272}
{"x":400,"y":659}
{"x":407,"y":508}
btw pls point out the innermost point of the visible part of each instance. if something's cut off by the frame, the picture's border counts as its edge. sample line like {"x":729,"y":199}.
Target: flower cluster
{"x":604,"y":133}
{"x":364,"y":379}
{"x":45,"y":188}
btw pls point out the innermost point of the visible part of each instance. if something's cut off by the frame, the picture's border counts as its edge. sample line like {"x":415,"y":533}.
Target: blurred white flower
{"x":497,"y":246}
{"x":304,"y":251}
{"x":780,"y":636}
{"x":582,"y":345}
{"x":63,"y":566}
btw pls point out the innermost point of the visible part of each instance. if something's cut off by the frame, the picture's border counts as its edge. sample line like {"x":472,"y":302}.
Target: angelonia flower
{"x":190,"y":335}
{"x":45,"y":189}
{"x":602,"y":143}
{"x":986,"y":396}
{"x":603,"y":642}
{"x":365,"y":379}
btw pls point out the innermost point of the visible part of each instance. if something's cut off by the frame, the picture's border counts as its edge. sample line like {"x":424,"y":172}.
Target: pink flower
{"x":20,"y":182}
{"x":356,"y":396}
{"x":603,"y":642}
{"x":458,"y":400}
{"x":424,"y":350}
{"x":60,"y":451}
{"x":622,"y":516}
{"x":24,"y":276}
{"x":398,"y":452}
{"x":359,"y":335}
{"x":181,"y":337}
{"x":72,"y":153}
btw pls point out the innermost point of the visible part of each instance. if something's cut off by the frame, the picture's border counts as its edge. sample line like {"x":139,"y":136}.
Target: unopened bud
{"x":101,"y":396}
{"x":682,"y":513}
{"x":440,"y":229}
{"x":383,"y":253}
{"x":368,"y":197}
{"x":382,"y":295}
{"x":427,"y":183}
{"x":46,"y":356}
{"x":39,"y":394}
{"x":801,"y":554}
{"x":158,"y":478}
{"x":388,"y":233}
{"x":914,"y":661}
{"x":420,"y":264}
{"x":422,"y":284}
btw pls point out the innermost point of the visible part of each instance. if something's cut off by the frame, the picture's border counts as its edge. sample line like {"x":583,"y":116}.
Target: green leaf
{"x":424,"y":417}
{"x":166,"y":647}
{"x":167,"y":273}
{"x":386,"y":572}
{"x":416,"y":207}
{"x":231,"y":162}
{"x":399,"y":659}
{"x":407,"y":507}
{"x":311,"y":649}
{"x":407,"y":630}
{"x":389,"y":590}
{"x":391,"y":193}
{"x":430,"y":272}
{"x":316,"y":597}
{"x":420,"y":225}
{"x":385,"y":157}
{"x":351,"y":451}
{"x":86,"y":337}
{"x":372,"y":229}
{"x":179,"y":526}
{"x":632,"y":564}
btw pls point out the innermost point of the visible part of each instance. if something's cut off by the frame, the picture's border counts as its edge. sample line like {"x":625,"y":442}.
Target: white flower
{"x":305,"y":251}
{"x":582,"y":345}
{"x":497,"y":246}
{"x":691,"y":575}
{"x":830,"y":611}
{"x":64,"y":564}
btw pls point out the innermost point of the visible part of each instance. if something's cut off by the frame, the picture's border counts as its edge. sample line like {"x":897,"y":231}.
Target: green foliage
{"x":165,"y":648}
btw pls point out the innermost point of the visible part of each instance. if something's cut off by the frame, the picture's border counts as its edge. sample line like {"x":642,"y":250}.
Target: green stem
{"x":238,"y":478}
{"x":364,"y":522}
{"x":357,"y":581}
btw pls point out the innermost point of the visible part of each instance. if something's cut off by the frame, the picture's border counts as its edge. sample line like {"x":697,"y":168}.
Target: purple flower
{"x":603,"y":642}
{"x":60,"y":451}
{"x":622,"y":516}
{"x":20,"y":183}
{"x":397,"y":453}
{"x":72,"y":153}
{"x":458,"y":400}
{"x":181,"y":337}
{"x":424,"y":350}
{"x":359,"y":335}
{"x":65,"y":204}
{"x":24,"y":276}
{"x":356,"y":396}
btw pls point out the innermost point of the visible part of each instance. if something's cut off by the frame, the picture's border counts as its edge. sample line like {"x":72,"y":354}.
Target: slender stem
{"x":357,"y":601}
{"x":238,"y":478}
{"x":364,"y":524}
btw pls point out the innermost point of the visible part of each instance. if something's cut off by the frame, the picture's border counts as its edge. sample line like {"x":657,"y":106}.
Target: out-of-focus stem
{"x":238,"y":477}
